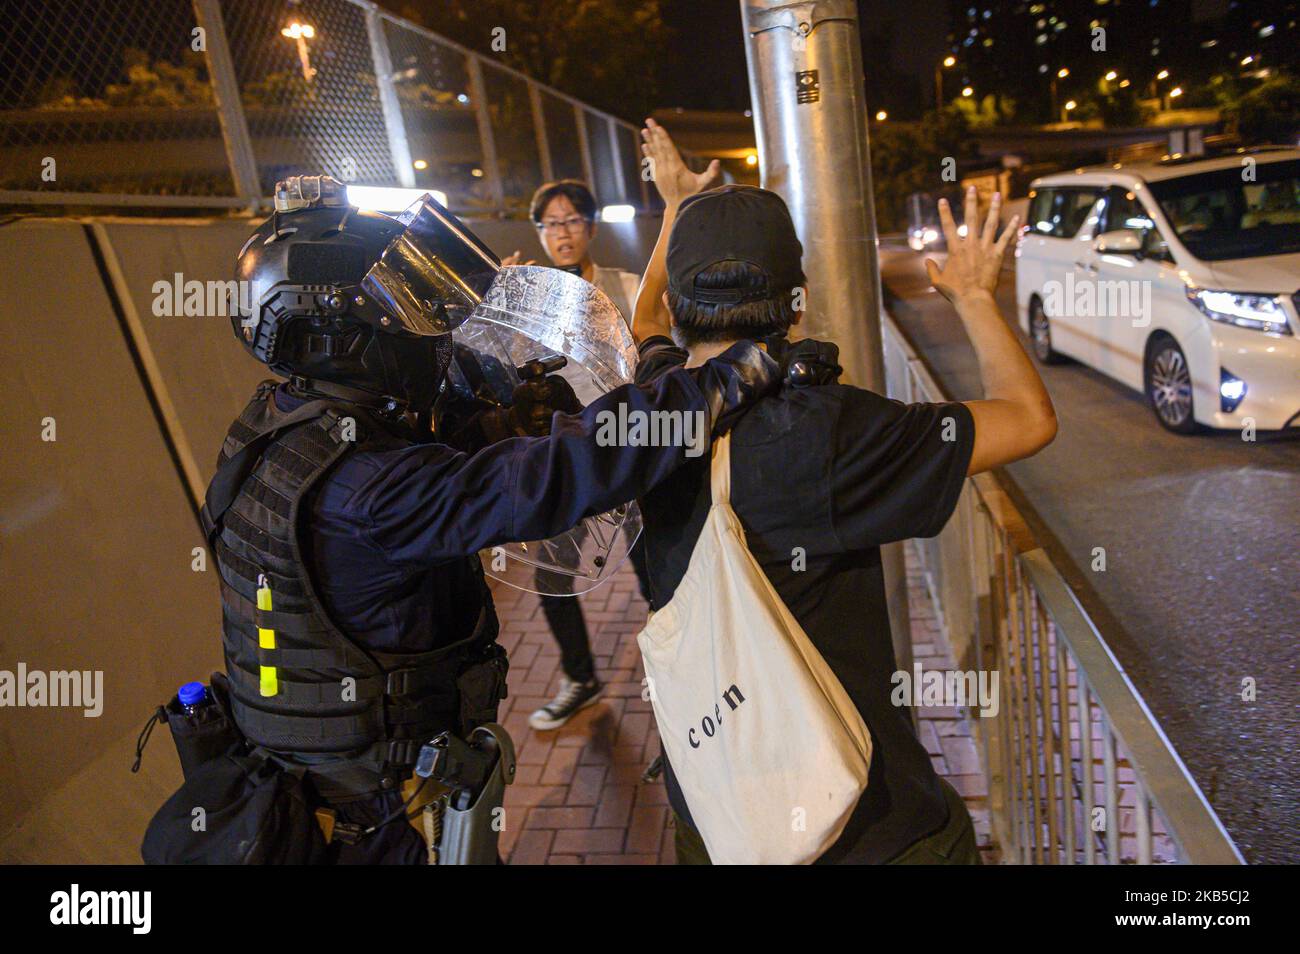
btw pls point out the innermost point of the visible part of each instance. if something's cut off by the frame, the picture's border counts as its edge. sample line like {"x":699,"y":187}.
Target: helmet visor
{"x":433,"y":275}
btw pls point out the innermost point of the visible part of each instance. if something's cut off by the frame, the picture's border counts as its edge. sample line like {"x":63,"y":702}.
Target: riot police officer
{"x":357,"y":623}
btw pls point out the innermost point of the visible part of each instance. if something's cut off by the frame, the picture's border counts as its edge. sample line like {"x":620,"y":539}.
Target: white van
{"x":1180,"y":279}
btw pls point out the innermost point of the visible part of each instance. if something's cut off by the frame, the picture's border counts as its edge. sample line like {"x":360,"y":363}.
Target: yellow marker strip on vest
{"x":270,"y":683}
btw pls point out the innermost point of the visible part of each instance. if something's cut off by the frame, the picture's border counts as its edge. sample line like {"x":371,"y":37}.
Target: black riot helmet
{"x":355,"y":299}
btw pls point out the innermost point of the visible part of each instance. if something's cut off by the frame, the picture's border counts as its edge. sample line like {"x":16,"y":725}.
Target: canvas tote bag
{"x":770,"y":751}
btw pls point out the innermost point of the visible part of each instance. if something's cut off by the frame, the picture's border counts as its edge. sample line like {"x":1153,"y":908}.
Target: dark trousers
{"x":953,"y":844}
{"x":636,"y":556}
{"x":564,"y":614}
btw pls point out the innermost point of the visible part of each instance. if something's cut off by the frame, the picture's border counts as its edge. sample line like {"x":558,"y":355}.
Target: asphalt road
{"x":1202,"y":584}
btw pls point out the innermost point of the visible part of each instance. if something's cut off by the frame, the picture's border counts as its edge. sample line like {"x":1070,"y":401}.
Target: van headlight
{"x":1257,"y":312}
{"x":921,"y":238}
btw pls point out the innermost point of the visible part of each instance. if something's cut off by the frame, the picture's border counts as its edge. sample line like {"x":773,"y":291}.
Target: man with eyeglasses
{"x":564,"y":213}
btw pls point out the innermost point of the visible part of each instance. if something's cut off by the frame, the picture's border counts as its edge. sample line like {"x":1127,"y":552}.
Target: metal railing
{"x":208,"y":102}
{"x":1079,"y":770}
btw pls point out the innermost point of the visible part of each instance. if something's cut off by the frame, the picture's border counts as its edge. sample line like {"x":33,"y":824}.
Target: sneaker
{"x":571,"y":697}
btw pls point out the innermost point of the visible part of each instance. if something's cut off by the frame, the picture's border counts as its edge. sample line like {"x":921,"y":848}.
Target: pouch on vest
{"x":481,"y":687}
{"x":236,"y":810}
{"x":207,"y":735}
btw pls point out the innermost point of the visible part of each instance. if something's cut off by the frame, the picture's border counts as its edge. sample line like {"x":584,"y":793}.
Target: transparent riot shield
{"x":531,"y":313}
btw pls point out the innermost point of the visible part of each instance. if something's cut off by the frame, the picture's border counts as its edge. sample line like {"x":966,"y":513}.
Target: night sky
{"x":705,"y":63}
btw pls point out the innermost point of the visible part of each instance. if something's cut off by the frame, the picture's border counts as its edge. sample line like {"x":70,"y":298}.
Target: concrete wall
{"x":95,"y":549}
{"x":96,"y":527}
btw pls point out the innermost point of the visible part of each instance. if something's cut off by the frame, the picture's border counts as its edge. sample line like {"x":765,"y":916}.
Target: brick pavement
{"x":578,"y":797}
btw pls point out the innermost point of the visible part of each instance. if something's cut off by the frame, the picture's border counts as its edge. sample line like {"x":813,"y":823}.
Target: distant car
{"x":924,"y":233}
{"x":1179,"y":278}
{"x":922,"y":237}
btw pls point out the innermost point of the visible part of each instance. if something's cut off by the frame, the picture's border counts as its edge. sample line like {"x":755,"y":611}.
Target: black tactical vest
{"x":360,"y":716}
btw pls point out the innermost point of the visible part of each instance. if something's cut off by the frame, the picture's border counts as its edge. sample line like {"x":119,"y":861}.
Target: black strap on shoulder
{"x":231,"y":475}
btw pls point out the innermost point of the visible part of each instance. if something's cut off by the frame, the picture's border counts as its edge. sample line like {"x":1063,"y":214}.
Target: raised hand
{"x":671,"y":177}
{"x":514,"y":259}
{"x":974,"y":261}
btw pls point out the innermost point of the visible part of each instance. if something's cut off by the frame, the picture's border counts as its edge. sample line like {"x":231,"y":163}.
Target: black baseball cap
{"x":734,"y":223}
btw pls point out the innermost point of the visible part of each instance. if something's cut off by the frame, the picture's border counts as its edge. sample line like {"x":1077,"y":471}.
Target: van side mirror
{"x":1119,"y":242}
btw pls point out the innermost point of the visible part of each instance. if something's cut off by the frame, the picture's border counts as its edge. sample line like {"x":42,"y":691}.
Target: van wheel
{"x":1040,"y":334}
{"x":1169,"y":387}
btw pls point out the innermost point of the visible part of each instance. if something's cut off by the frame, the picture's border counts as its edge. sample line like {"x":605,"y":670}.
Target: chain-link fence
{"x":209,"y":102}
{"x":108,"y":98}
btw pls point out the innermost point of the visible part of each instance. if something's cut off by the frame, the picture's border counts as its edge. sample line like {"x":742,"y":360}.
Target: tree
{"x":156,"y":83}
{"x":909,"y":157}
{"x":600,"y":51}
{"x":992,"y":110}
{"x":1115,"y":106}
{"x":1269,"y":113}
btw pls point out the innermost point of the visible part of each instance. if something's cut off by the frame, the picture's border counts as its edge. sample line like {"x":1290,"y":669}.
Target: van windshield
{"x":1235,"y":213}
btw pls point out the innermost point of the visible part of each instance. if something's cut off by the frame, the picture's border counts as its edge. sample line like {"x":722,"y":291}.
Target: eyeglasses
{"x":553,"y":226}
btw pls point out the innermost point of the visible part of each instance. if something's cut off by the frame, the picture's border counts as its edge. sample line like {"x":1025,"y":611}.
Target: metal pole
{"x":1088,"y":769}
{"x":398,"y":146}
{"x":539,"y":127}
{"x":619,"y":184}
{"x":225,"y":89}
{"x":640,"y":170}
{"x":807,"y":90}
{"x":584,"y":145}
{"x":487,"y":140}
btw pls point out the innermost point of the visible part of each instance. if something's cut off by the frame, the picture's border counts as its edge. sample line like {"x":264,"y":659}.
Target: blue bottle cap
{"x":192,"y":693}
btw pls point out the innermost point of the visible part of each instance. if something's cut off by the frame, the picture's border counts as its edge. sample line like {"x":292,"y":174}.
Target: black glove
{"x":537,"y":399}
{"x":807,"y":362}
{"x":810,"y":363}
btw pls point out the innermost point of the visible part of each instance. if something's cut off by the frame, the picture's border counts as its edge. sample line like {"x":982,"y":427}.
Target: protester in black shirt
{"x":823,"y":476}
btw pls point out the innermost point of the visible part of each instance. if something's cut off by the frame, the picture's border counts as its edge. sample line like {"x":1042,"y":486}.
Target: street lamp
{"x":301,"y":33}
{"x":1061,"y":74}
{"x":881,"y":116}
{"x":968,"y":91}
{"x":1111,"y":76}
{"x":1155,"y":88}
{"x":948,"y":63}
